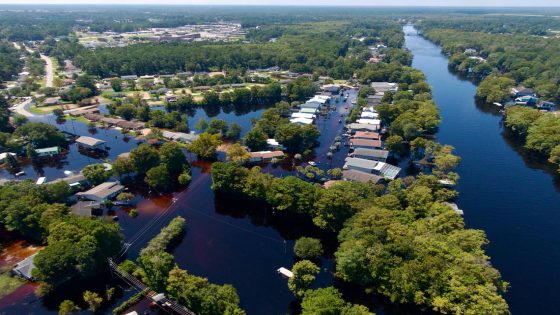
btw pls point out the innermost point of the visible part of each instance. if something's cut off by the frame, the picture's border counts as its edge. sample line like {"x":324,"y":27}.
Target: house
{"x":369,"y":115}
{"x":384,"y":86}
{"x":85,"y":208}
{"x":179,"y":136}
{"x":371,"y":154}
{"x":306,"y":110}
{"x":102,"y":192}
{"x":365,"y":144}
{"x":303,"y":115}
{"x":369,"y":121}
{"x":25,"y":268}
{"x":51,"y":151}
{"x":362,"y":165}
{"x":354,"y":127}
{"x":130,"y":125}
{"x":73,"y":180}
{"x":311,"y":104}
{"x":332,"y":88}
{"x":273,"y":144}
{"x":368,"y":135}
{"x":90,"y":143}
{"x":129,"y":77}
{"x":4,"y":155}
{"x":170,"y":98}
{"x":526,"y":100}
{"x":50,"y":101}
{"x":383,"y":169}
{"x":265,"y":156}
{"x":375,"y":99}
{"x":520,"y":91}
{"x":361,"y":177}
{"x":545,"y":105}
{"x":321,"y":99}
{"x":301,"y":121}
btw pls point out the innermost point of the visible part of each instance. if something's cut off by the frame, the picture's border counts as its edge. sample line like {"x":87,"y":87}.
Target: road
{"x":49,"y":71}
{"x":21,"y":108}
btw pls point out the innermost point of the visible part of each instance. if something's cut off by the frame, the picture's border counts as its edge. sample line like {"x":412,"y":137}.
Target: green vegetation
{"x":96,"y":173}
{"x":540,"y":131}
{"x":131,"y":301}
{"x":304,"y":274}
{"x":205,"y":145}
{"x":168,"y":234}
{"x":308,"y":248}
{"x":8,"y":284}
{"x":325,"y":301}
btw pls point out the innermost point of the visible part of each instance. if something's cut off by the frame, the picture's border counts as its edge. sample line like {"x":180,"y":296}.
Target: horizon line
{"x":278,"y":5}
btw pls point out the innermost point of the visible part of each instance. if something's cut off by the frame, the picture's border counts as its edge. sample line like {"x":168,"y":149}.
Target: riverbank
{"x":512,"y":201}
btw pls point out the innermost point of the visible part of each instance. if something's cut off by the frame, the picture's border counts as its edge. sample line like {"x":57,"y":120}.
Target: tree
{"x":308,"y":248}
{"x":329,"y":301}
{"x":185,"y":178}
{"x":395,"y":143}
{"x":39,"y":134}
{"x":205,"y":145}
{"x":217,"y":126}
{"x":158,"y":178}
{"x":173,"y":157}
{"x":93,"y":300}
{"x":304,"y":275}
{"x":228,"y":177}
{"x":255,"y":139}
{"x":88,"y":82}
{"x":116,"y":84}
{"x":237,"y":153}
{"x":335,"y":172}
{"x":201,"y":124}
{"x":202,"y":297}
{"x":157,"y":266}
{"x":144,"y":157}
{"x":125,"y":196}
{"x":123,"y":166}
{"x":96,"y":173}
{"x":67,"y":307}
{"x":234,"y":131}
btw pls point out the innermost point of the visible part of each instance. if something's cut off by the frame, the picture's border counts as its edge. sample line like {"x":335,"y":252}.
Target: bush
{"x":308,"y":247}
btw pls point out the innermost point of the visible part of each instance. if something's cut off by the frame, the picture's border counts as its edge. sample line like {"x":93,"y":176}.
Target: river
{"x":502,"y":191}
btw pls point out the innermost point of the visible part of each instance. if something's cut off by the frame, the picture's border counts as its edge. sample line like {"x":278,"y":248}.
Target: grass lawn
{"x":9,"y":284}
{"x":79,"y":118}
{"x":36,"y":110}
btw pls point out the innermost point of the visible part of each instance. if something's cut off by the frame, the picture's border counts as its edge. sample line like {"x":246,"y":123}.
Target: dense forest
{"x":528,"y":60}
{"x":10,"y":63}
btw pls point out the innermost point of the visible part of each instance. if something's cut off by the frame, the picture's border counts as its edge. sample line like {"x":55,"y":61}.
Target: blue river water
{"x":503,"y":191}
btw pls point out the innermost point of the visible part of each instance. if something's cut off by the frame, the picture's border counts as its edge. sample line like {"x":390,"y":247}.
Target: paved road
{"x":21,"y":108}
{"x":49,"y":71}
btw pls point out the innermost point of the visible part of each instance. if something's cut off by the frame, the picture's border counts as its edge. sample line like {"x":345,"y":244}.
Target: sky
{"x":461,"y":3}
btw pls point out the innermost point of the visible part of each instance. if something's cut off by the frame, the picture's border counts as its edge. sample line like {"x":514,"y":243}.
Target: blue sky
{"x":508,"y":3}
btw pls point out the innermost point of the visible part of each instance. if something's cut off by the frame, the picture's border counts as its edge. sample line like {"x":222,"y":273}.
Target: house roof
{"x":72,"y":179}
{"x":366,"y":135}
{"x":310,"y":104}
{"x":305,"y":121}
{"x":104,"y":190}
{"x":25,"y":267}
{"x":361,"y":177}
{"x":365,"y":143}
{"x":84,"y":208}
{"x":48,"y":150}
{"x":367,"y":121}
{"x":371,"y":153}
{"x":267,"y":154}
{"x":89,"y":141}
{"x":357,"y":126}
{"x":361,"y":163}
{"x":387,"y":170}
{"x":303,"y":115}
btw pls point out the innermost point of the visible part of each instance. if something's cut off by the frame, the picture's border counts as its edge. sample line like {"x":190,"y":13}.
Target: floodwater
{"x":504,"y":191}
{"x":227,"y":241}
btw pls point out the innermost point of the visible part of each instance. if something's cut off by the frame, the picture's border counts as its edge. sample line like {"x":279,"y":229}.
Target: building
{"x":369,"y":115}
{"x":361,"y":177}
{"x":274,"y":145}
{"x":129,"y":77}
{"x":365,"y":144}
{"x":301,"y":121}
{"x":4,"y":155}
{"x":383,"y":169}
{"x":265,"y":156}
{"x":179,"y":136}
{"x":368,"y":135}
{"x":73,"y":180}
{"x":368,"y":121}
{"x":384,"y":87}
{"x":130,"y":125}
{"x":303,"y":115}
{"x":51,"y":151}
{"x":102,"y":192}
{"x":520,"y":91}
{"x":50,"y":101}
{"x":371,"y":154}
{"x":311,"y":104}
{"x":332,"y":88}
{"x":355,"y":127}
{"x":85,"y":208}
{"x":25,"y":268}
{"x":90,"y":143}
{"x":307,"y":110}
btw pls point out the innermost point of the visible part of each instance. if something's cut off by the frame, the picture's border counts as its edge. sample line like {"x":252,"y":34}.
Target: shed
{"x":51,"y":151}
{"x":102,"y":192}
{"x":25,"y":267}
{"x":90,"y":143}
{"x":371,"y":154}
{"x":359,"y":176}
{"x":285,"y":272}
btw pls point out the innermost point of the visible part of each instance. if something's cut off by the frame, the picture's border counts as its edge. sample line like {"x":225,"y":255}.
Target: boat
{"x":20,"y":173}
{"x":497,"y":104}
{"x":285,"y":272}
{"x":311,"y":163}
